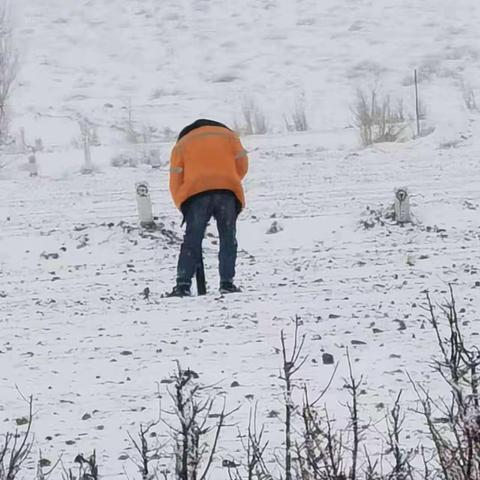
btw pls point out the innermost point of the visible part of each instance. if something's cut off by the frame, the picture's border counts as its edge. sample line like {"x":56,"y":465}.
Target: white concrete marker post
{"x":87,"y":166}
{"x":86,"y":133}
{"x":22,"y":144}
{"x":144,"y":204}
{"x":402,"y":206}
{"x":155,"y":160}
{"x":32,"y":165}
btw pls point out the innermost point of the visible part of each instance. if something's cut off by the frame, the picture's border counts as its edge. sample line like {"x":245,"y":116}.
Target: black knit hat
{"x":202,"y":122}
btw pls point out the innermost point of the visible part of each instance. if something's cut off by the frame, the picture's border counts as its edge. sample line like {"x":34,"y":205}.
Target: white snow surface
{"x":77,"y":333}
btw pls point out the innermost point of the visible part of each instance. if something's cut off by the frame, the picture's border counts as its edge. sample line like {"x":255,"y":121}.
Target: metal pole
{"x":200,"y":278}
{"x":417,"y":104}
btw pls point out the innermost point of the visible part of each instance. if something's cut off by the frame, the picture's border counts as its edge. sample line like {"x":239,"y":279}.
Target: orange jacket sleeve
{"x":176,"y":173}
{"x":241,"y":158}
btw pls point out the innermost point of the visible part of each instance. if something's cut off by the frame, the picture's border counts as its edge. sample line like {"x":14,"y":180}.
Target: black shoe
{"x":229,"y":287}
{"x":180,"y":291}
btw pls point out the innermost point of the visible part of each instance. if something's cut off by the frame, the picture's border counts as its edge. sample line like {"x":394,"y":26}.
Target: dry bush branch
{"x":353,"y":385}
{"x":254,"y":446}
{"x":457,"y":439}
{"x":9,"y":65}
{"x":469,"y":98}
{"x":377,"y":121}
{"x":146,"y":452}
{"x":193,"y":411}
{"x":88,"y":138}
{"x":297,"y":120}
{"x":255,"y":121}
{"x":291,"y":365}
{"x":16,"y":448}
{"x":322,"y":451}
{"x":87,"y":468}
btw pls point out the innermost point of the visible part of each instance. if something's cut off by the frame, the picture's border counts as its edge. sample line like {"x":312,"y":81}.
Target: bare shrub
{"x":140,"y":155}
{"x":88,"y":137}
{"x":15,"y":448}
{"x":254,"y":120}
{"x":124,"y":159}
{"x":292,"y":363}
{"x":297,"y":120}
{"x":469,"y":98}
{"x":85,"y":469}
{"x":457,"y":436}
{"x":316,"y":446}
{"x":148,"y":454}
{"x":376,"y":119}
{"x":254,"y":446}
{"x":9,"y":64}
{"x":131,"y":133}
{"x":194,"y":410}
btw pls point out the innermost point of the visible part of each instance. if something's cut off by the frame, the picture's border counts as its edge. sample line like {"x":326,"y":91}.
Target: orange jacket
{"x":207,"y":158}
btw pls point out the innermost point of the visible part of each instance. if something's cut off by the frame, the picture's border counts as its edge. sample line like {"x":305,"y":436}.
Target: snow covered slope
{"x":76,"y":331}
{"x":177,"y":60}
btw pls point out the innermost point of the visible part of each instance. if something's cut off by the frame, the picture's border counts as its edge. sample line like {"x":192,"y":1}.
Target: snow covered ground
{"x":77,"y":332}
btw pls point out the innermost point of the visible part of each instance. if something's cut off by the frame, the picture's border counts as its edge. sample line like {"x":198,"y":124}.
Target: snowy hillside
{"x":173,"y":61}
{"x":78,"y":334}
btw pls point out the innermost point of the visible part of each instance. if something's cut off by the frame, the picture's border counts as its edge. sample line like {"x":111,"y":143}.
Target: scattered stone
{"x":328,"y":359}
{"x":410,"y":260}
{"x":441,"y":420}
{"x":377,"y":330}
{"x":333,"y":316}
{"x":401,"y":325}
{"x":273,"y":414}
{"x":380,"y":216}
{"x":47,"y":256}
{"x":44,"y":462}
{"x":234,"y":384}
{"x":22,"y":421}
{"x":358,"y":342}
{"x":86,"y":416}
{"x":275,"y":227}
{"x":126,"y":352}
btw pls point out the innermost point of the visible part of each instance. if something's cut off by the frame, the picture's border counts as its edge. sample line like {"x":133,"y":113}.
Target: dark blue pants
{"x":223,"y":206}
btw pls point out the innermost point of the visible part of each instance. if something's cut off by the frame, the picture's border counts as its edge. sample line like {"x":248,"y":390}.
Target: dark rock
{"x":328,"y":359}
{"x":22,"y":421}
